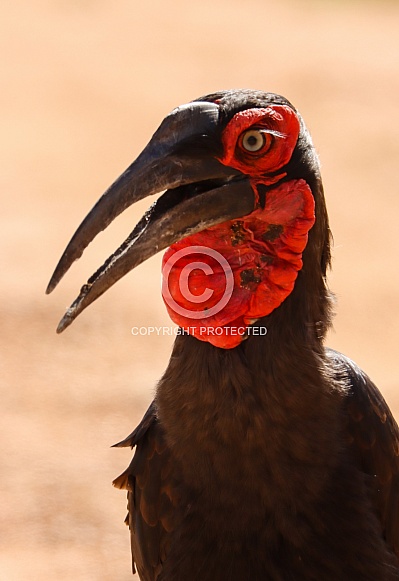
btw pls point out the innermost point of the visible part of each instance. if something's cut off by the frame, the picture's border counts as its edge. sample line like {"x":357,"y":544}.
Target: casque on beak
{"x":201,"y":192}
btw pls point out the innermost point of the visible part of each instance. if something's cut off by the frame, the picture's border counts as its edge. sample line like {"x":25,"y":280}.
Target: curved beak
{"x":201,"y":192}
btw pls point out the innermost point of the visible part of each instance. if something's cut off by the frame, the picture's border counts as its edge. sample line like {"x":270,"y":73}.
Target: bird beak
{"x":171,"y":161}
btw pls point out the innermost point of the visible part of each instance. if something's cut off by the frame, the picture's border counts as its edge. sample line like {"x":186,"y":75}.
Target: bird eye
{"x":253,"y":140}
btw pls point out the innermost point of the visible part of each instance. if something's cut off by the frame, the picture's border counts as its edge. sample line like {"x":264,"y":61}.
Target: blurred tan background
{"x":83,"y":86}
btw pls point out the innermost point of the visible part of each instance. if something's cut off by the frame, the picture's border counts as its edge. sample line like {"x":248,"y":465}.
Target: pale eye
{"x":253,"y":140}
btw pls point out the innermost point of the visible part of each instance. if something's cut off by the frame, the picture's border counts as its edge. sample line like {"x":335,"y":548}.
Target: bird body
{"x":264,"y":456}
{"x":263,"y":482}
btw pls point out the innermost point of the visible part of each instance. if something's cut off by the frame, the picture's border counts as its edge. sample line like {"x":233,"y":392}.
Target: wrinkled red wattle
{"x":264,"y":251}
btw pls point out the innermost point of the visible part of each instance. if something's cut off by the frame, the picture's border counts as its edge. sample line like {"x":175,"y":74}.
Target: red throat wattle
{"x":219,"y":281}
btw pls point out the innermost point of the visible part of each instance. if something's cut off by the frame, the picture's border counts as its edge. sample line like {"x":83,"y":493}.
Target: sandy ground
{"x":84,"y":85}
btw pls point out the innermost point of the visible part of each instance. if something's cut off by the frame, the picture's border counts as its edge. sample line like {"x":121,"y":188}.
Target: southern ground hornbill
{"x":265,"y":456}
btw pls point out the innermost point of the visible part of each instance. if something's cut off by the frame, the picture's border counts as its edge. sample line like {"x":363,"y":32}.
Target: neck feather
{"x":252,"y":401}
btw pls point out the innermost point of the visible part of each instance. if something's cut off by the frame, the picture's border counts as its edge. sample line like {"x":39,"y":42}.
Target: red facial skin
{"x":283,"y":125}
{"x":263,"y":250}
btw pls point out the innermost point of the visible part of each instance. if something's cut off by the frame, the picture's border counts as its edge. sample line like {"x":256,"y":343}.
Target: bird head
{"x":243,"y":206}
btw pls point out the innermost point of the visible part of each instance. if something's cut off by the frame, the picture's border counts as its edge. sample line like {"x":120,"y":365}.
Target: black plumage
{"x":283,"y":473}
